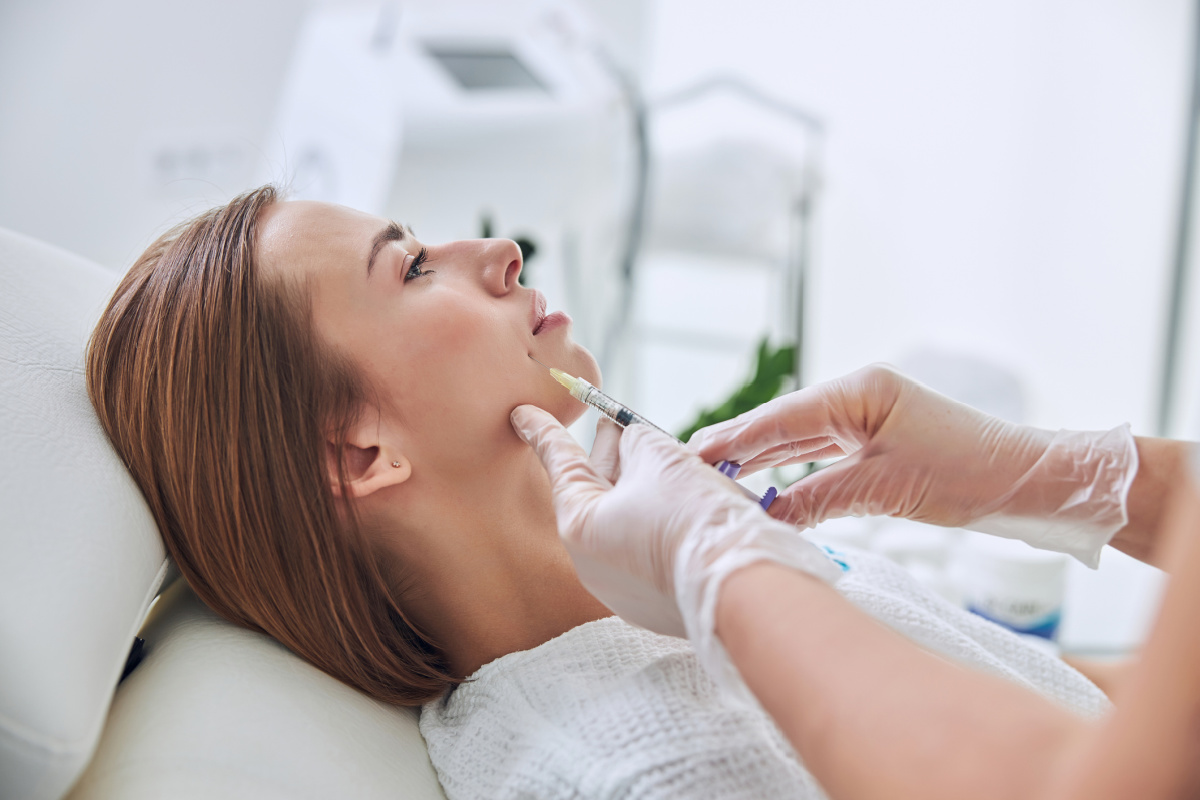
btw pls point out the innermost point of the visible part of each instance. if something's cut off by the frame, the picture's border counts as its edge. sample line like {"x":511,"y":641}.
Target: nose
{"x":500,"y":260}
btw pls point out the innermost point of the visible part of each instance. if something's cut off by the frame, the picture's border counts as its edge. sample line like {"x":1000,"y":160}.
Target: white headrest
{"x":219,"y":711}
{"x":80,"y":557}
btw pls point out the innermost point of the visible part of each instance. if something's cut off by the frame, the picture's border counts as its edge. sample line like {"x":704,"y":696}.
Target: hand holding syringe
{"x":586,"y":393}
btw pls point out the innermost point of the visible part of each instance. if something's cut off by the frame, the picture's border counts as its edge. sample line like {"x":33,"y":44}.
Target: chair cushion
{"x":215,"y":710}
{"x":80,"y":557}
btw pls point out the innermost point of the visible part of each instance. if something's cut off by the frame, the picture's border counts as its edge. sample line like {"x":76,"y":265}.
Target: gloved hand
{"x":655,"y":543}
{"x":914,"y":453}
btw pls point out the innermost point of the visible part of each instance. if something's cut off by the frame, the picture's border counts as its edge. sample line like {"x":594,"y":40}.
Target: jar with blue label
{"x":1013,"y":584}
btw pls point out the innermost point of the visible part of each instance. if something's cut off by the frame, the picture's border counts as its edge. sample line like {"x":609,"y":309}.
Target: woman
{"x":316,"y":407}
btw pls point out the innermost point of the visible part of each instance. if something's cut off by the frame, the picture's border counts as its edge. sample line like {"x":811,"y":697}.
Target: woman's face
{"x":444,"y":333}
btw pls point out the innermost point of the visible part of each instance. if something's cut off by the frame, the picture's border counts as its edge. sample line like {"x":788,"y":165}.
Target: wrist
{"x":1073,"y":498}
{"x":1162,"y":466}
{"x":745,"y":547}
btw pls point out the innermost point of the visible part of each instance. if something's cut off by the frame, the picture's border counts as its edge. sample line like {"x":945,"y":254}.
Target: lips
{"x":552,"y":321}
{"x":537,"y":311}
{"x":543,"y":322}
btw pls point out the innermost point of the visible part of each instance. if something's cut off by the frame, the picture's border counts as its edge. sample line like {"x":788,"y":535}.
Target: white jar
{"x":1013,"y":584}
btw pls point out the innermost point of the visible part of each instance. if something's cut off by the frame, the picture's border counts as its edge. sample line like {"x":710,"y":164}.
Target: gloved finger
{"x":641,"y":444}
{"x":840,"y":490}
{"x":575,"y":483}
{"x":606,"y":454}
{"x":793,"y":417}
{"x":793,"y":453}
{"x":650,"y":456}
{"x":849,"y":408}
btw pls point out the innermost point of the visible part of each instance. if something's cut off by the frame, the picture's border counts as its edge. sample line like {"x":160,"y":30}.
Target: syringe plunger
{"x":586,"y":393}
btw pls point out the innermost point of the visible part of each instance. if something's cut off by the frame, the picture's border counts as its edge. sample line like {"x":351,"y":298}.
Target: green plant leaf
{"x":772,"y":368}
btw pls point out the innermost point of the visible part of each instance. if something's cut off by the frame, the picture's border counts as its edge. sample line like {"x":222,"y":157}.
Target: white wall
{"x":95,"y":98}
{"x":1001,"y":178}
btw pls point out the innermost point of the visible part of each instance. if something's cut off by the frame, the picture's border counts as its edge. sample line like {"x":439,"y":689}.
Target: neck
{"x":489,"y":573}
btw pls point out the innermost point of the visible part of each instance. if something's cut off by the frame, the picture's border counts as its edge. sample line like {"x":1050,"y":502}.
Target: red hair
{"x":213,"y":387}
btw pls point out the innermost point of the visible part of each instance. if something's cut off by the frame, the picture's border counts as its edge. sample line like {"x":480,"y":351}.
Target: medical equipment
{"x":338,"y":128}
{"x":586,"y":393}
{"x":515,"y":127}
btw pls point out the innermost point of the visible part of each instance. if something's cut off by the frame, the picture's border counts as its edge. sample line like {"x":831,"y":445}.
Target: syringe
{"x":623,"y":415}
{"x":585,"y":392}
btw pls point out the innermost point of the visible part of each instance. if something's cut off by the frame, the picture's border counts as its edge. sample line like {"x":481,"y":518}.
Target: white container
{"x":1013,"y":584}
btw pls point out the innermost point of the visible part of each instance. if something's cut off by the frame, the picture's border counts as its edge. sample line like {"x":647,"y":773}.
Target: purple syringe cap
{"x":730,"y":470}
{"x":768,"y":497}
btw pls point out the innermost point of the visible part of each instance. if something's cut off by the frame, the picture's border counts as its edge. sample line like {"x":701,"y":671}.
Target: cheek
{"x":455,"y":370}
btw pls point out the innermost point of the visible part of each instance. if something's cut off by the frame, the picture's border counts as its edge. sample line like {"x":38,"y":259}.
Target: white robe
{"x":608,"y":710}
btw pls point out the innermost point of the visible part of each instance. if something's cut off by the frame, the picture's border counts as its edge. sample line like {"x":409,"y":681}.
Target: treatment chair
{"x":211,"y":710}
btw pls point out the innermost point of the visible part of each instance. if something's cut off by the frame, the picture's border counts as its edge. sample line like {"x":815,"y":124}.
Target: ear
{"x":373,"y":461}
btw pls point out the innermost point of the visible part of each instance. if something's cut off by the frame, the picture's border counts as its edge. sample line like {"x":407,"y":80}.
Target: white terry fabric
{"x":608,"y":710}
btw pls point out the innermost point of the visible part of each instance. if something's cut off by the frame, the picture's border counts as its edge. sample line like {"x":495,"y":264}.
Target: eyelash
{"x":421,"y":257}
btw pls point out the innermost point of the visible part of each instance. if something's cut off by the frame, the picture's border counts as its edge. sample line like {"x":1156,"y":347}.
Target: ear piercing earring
{"x":396,"y":464}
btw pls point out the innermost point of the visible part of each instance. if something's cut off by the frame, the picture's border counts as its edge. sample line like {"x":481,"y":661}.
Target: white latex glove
{"x":914,"y":453}
{"x":656,"y":543}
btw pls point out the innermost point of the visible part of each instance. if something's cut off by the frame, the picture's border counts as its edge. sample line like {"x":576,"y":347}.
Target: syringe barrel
{"x":622,"y":415}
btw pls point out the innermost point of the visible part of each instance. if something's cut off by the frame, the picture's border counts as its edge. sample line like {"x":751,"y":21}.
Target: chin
{"x":588,"y":368}
{"x":573,"y":359}
{"x":565,"y":408}
{"x":568,"y":412}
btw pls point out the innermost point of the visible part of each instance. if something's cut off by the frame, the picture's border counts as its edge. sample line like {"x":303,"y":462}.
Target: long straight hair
{"x":217,"y":394}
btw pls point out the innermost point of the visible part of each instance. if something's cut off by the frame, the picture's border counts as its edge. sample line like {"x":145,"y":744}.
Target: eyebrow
{"x":394,"y":232}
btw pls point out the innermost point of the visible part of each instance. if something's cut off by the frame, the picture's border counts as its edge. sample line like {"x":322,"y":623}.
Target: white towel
{"x":608,"y":710}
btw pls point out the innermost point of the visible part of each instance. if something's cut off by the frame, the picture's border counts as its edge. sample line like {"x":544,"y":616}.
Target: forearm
{"x":1150,"y":746}
{"x":1161,"y":464}
{"x":873,"y":715}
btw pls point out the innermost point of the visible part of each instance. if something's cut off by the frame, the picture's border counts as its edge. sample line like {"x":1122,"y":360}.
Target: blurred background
{"x":994,"y":196}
